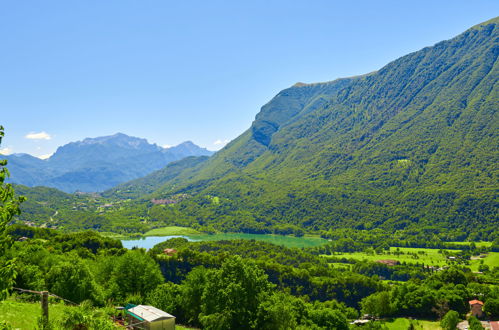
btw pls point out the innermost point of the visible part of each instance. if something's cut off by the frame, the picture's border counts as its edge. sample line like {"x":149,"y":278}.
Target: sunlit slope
{"x":412,"y":144}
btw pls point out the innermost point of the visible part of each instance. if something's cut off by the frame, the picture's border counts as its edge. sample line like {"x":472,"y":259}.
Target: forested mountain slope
{"x":411,"y":145}
{"x":148,"y":184}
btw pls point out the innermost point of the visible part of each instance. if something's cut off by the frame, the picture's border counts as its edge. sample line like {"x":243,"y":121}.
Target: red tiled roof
{"x":388,"y":262}
{"x":473,"y":302}
{"x":169,"y":252}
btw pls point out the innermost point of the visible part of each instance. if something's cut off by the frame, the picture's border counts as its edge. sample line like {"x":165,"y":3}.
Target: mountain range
{"x":96,"y":164}
{"x":412,"y":145}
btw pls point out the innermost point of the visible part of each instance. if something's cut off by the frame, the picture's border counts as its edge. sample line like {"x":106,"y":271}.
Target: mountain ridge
{"x":407,"y":145}
{"x":97,"y":164}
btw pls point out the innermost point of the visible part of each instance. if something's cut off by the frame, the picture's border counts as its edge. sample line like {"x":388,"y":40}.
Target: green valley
{"x":365,"y":200}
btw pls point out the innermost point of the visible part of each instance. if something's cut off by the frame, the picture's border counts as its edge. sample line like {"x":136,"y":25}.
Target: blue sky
{"x":171,"y":71}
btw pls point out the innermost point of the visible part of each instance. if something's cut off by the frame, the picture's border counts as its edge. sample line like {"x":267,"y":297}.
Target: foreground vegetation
{"x":241,"y":283}
{"x":27,"y":315}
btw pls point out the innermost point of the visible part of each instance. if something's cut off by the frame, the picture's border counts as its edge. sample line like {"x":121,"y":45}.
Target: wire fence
{"x":49,"y":294}
{"x":137,"y":325}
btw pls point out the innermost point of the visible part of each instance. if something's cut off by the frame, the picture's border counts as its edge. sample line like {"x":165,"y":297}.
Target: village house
{"x":389,"y":262}
{"x":169,"y":252}
{"x":476,"y":308}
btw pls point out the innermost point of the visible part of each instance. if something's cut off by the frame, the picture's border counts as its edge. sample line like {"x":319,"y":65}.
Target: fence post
{"x":45,"y":306}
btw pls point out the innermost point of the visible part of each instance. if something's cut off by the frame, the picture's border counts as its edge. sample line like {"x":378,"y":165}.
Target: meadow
{"x":171,"y":231}
{"x":407,"y":255}
{"x":22,"y":315}
{"x":403,"y":323}
{"x":425,"y":256}
{"x":492,"y":260}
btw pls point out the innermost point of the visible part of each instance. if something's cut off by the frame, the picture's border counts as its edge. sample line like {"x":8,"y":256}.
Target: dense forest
{"x":239,"y":284}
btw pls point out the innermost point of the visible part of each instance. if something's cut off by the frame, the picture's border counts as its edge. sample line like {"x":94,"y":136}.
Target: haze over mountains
{"x":413,"y":144}
{"x":96,"y":164}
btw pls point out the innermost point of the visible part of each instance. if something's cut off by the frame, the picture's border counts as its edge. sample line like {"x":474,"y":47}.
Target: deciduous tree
{"x":450,"y":320}
{"x":9,"y":206}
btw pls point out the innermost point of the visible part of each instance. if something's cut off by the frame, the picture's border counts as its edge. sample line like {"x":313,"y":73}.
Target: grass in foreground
{"x":23,"y":315}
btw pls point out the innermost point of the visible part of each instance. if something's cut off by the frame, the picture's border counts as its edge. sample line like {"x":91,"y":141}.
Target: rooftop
{"x":149,"y":313}
{"x":473,"y":302}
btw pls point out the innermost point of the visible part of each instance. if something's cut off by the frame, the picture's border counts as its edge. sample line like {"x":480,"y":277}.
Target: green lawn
{"x":172,"y":230}
{"x":401,"y":323}
{"x":397,"y":324}
{"x":478,"y":244}
{"x":492,"y":260}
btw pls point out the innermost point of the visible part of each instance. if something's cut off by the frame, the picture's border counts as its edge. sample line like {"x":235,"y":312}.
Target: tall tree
{"x":134,"y":273}
{"x":233,"y":294}
{"x":9,"y":206}
{"x":450,"y":320}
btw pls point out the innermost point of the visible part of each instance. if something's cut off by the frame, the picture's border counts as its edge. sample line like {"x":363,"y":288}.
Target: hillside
{"x":148,"y":184}
{"x":412,"y":145}
{"x":96,"y":164}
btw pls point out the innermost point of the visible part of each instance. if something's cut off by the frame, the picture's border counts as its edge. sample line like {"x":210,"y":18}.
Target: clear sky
{"x":172,"y":71}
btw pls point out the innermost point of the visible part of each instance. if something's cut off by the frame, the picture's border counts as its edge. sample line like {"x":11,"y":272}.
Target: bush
{"x":450,"y":320}
{"x":491,"y":307}
{"x":475,"y":324}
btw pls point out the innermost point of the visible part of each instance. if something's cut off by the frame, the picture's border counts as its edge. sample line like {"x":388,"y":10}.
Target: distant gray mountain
{"x":97,"y":164}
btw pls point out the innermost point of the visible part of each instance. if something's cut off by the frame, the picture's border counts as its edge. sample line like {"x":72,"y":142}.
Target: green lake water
{"x":288,"y":241}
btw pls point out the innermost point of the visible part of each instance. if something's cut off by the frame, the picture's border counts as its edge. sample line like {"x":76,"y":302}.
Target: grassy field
{"x":171,"y":231}
{"x":24,"y":315}
{"x":492,"y":260}
{"x":401,"y":323}
{"x":426,"y":256}
{"x":112,"y":235}
{"x":478,"y":244}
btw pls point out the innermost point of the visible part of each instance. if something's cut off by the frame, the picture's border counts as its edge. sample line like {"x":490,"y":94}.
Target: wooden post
{"x":45,"y":306}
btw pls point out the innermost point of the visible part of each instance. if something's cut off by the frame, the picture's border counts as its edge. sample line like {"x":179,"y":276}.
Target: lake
{"x":288,"y":241}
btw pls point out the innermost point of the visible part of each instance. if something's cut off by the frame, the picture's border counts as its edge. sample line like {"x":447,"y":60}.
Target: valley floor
{"x":429,"y":257}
